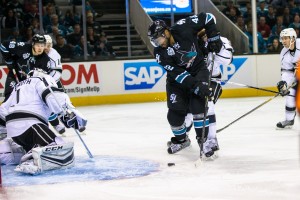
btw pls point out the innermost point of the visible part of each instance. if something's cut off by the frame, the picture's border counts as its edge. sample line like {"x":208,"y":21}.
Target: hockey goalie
{"x":30,"y":143}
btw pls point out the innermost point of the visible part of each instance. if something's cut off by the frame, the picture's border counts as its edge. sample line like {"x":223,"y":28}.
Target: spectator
{"x":248,"y":14}
{"x":91,"y":36}
{"x":35,"y":25}
{"x":260,"y":40}
{"x":33,"y":13}
{"x":275,"y":47}
{"x":232,"y":15}
{"x":79,"y":49}
{"x":28,"y":35}
{"x":271,"y":18}
{"x":91,"y":23}
{"x":15,"y":36}
{"x":47,"y":17}
{"x":54,"y":22}
{"x":64,"y":50}
{"x":262,"y":10}
{"x":287,"y":17}
{"x":103,"y":47}
{"x":296,"y":22}
{"x":274,"y":35}
{"x":10,"y":21}
{"x":68,"y":20}
{"x":279,"y":23}
{"x":240,"y":23}
{"x":263,"y":28}
{"x":226,"y":11}
{"x":17,"y":7}
{"x":74,"y":38}
{"x":54,"y":33}
{"x":294,"y":9}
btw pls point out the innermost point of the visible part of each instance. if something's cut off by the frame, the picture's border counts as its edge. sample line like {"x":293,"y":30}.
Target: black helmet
{"x":155,"y":30}
{"x":38,"y":39}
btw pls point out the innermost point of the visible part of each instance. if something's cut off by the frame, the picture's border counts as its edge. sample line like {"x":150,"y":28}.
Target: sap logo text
{"x":228,"y":71}
{"x":54,"y":148}
{"x":142,"y":75}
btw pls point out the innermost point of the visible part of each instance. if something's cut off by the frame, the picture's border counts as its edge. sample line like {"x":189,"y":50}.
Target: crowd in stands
{"x":21,"y":20}
{"x":272,"y":17}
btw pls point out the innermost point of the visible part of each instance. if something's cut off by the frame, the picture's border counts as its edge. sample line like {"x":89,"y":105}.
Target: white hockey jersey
{"x":224,"y":57}
{"x":55,"y":64}
{"x":32,"y":102}
{"x":289,"y":60}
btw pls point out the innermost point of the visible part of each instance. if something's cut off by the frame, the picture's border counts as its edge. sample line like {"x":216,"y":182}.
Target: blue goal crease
{"x":101,"y":168}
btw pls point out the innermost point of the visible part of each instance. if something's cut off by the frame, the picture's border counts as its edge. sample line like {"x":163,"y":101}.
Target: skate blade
{"x":287,"y":127}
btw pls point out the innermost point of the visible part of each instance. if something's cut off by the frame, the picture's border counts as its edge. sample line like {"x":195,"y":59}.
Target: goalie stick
{"x":260,"y":105}
{"x":65,"y":112}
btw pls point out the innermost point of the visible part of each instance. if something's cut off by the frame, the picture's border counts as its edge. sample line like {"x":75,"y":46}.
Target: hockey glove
{"x":216,"y":90}
{"x":201,"y":89}
{"x":214,"y":43}
{"x":74,"y":119}
{"x":282,"y":88}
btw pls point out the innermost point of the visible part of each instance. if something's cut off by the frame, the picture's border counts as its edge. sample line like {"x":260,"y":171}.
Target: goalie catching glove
{"x":74,"y":119}
{"x":282,"y":88}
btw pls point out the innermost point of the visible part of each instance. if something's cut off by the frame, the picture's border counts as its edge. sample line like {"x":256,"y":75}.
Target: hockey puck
{"x":171,"y":164}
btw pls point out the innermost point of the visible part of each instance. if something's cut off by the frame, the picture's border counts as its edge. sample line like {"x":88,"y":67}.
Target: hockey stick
{"x":249,"y":86}
{"x":205,"y":112}
{"x":65,"y":112}
{"x":260,"y":105}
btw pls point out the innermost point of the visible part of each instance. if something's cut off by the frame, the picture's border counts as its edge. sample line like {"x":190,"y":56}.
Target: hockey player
{"x":177,"y":50}
{"x":56,"y":71}
{"x":27,"y":111}
{"x":289,"y":57}
{"x":21,"y":57}
{"x":224,"y":57}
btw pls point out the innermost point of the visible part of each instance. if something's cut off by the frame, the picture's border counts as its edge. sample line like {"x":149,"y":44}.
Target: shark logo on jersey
{"x":229,"y":71}
{"x":142,"y":75}
{"x":187,"y":57}
{"x":173,"y":98}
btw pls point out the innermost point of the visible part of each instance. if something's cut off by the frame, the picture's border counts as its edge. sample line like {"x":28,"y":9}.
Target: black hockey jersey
{"x":185,"y":60}
{"x":19,"y":56}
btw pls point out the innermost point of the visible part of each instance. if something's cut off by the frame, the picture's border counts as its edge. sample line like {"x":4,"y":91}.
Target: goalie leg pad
{"x":48,"y":158}
{"x":54,"y":157}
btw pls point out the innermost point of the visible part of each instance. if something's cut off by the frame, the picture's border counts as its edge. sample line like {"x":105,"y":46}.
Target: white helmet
{"x":290,"y":32}
{"x":48,"y":39}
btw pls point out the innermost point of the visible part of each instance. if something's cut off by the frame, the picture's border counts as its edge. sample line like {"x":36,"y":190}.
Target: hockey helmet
{"x":48,"y":39}
{"x":155,"y":30}
{"x":37,"y":38}
{"x":289,"y":32}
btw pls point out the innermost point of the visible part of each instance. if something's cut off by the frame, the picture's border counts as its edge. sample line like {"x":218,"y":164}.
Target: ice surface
{"x":256,"y":161}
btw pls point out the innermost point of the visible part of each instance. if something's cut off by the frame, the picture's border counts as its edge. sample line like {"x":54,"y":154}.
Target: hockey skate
{"x":285,"y":124}
{"x":207,"y":151}
{"x":60,"y":128}
{"x":187,"y":134}
{"x":176,"y":145}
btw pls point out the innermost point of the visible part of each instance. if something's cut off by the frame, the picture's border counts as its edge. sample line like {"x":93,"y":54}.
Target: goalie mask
{"x":288,"y":32}
{"x":156,"y":32}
